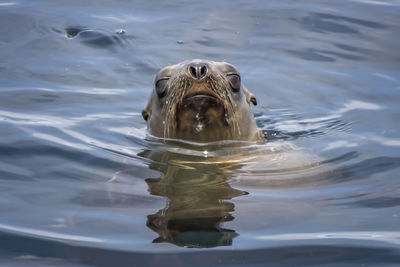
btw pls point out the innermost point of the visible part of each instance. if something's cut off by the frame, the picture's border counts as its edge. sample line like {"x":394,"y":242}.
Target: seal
{"x":202,"y":101}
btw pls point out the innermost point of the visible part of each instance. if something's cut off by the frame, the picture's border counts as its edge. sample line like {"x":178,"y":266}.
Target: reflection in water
{"x":198,"y":196}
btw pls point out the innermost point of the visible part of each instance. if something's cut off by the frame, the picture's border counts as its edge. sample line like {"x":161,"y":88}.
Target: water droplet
{"x":180,"y":42}
{"x":205,"y":152}
{"x":199,"y":127}
{"x":120,"y":32}
{"x":163,"y":122}
{"x":166,"y":102}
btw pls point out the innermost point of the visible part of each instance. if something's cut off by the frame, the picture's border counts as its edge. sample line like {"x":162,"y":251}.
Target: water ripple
{"x":389,"y":237}
{"x":98,"y":38}
{"x":283,"y":124}
{"x":48,"y":235}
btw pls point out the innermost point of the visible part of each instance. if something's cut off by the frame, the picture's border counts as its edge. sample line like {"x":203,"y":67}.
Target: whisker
{"x":179,"y":85}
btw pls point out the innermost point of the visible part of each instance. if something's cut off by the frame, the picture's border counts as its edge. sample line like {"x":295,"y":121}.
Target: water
{"x":82,"y":183}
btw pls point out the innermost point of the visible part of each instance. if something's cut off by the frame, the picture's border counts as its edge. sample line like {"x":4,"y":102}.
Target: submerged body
{"x":201,"y":101}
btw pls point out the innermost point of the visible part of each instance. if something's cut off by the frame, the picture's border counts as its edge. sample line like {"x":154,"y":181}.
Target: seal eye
{"x":161,"y":87}
{"x":234,"y":81}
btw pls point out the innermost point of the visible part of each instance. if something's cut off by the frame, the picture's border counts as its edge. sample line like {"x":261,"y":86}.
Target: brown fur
{"x":218,"y":113}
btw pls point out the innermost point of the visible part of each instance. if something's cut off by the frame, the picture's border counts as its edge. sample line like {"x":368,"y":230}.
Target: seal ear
{"x":145,"y":113}
{"x":250,"y":97}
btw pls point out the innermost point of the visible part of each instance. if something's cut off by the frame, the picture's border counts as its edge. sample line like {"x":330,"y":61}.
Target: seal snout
{"x":197,"y":70}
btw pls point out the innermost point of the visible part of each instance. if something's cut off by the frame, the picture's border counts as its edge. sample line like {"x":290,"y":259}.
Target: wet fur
{"x":229,"y":118}
{"x":178,"y":88}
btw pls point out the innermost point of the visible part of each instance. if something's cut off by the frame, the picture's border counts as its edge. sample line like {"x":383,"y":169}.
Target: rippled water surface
{"x":82,"y":182}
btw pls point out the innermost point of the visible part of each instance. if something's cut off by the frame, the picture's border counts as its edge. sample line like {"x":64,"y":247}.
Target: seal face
{"x":202,"y":101}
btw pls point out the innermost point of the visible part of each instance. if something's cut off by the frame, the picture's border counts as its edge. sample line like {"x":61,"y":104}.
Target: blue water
{"x":82,"y":182}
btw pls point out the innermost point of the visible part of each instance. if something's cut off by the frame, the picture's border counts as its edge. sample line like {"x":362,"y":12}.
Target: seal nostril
{"x":203,"y":71}
{"x":193,"y":71}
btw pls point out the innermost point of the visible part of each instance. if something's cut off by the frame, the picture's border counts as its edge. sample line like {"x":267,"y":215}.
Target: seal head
{"x":202,"y":101}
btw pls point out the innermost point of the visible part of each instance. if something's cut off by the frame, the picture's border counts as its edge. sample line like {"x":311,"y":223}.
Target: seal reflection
{"x":198,"y":194}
